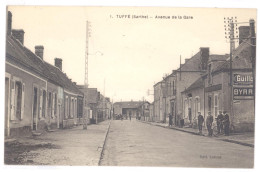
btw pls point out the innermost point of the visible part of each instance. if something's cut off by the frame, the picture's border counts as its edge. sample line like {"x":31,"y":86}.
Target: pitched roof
{"x":197,"y":84}
{"x":23,"y":57}
{"x":129,"y":104}
{"x":240,"y":59}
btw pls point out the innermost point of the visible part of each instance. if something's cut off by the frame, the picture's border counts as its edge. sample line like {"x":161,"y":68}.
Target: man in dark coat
{"x":226,"y":123}
{"x":200,"y":122}
{"x":209,"y":122}
{"x":220,"y":119}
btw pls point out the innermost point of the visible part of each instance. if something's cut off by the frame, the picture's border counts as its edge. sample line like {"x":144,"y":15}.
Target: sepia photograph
{"x":129,"y":86}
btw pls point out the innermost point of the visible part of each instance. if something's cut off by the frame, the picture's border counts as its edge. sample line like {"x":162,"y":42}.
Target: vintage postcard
{"x":130,"y":86}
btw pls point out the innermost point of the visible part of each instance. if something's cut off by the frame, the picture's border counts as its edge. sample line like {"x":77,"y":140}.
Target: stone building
{"x":38,"y":95}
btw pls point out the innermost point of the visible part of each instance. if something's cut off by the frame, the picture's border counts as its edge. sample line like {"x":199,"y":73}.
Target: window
{"x":209,"y":103}
{"x":209,"y":74}
{"x":55,"y":104}
{"x":173,"y":85}
{"x":66,"y":107}
{"x":50,"y":104}
{"x":72,"y":107}
{"x":17,"y":100}
{"x":216,"y":105}
{"x":43,"y":103}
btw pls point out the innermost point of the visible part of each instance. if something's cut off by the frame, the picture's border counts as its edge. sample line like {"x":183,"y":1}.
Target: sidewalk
{"x":73,"y":146}
{"x":246,"y":139}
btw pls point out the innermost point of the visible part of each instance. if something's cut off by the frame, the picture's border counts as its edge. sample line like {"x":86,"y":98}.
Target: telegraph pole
{"x":230,"y":34}
{"x":253,"y":51}
{"x":86,"y":109}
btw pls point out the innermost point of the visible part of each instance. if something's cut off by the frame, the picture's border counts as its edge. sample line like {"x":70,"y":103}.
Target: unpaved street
{"x":132,"y":143}
{"x":73,"y":146}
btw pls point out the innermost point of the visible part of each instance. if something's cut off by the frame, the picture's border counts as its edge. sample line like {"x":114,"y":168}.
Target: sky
{"x":127,"y":56}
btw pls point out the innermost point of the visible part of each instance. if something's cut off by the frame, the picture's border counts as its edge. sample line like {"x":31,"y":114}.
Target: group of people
{"x":222,"y":123}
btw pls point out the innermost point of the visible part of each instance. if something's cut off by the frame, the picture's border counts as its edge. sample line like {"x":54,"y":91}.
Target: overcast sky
{"x":127,"y":56}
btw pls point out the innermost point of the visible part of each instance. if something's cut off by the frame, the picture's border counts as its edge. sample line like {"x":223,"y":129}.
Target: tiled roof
{"x":217,"y":57}
{"x":241,"y":59}
{"x":129,"y":104}
{"x":197,"y":84}
{"x":92,"y":95}
{"x":22,"y":56}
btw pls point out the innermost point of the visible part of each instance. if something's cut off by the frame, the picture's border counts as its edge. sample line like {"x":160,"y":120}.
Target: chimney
{"x":39,"y":51}
{"x":204,"y":57}
{"x":244,"y":32}
{"x":18,"y":34}
{"x":58,"y":63}
{"x":9,"y":23}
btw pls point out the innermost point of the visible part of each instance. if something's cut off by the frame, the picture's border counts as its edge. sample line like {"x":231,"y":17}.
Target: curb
{"x":238,"y":142}
{"x":194,"y":133}
{"x":103,"y":146}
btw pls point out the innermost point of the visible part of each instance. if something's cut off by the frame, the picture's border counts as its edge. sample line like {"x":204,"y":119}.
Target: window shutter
{"x":41,"y":103}
{"x":71,"y":107}
{"x":12,"y":100}
{"x":22,"y":104}
{"x":52,"y":111}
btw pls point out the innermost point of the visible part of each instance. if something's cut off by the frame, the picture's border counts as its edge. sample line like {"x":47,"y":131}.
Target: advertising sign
{"x":242,"y":93}
{"x":243,"y":79}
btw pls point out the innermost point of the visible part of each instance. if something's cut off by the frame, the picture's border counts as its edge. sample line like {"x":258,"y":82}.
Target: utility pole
{"x":253,"y":55}
{"x":229,"y":31}
{"x":86,"y":109}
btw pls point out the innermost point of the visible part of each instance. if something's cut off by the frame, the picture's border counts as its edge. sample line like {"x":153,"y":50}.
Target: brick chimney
{"x":39,"y":51}
{"x":58,"y":63}
{"x":9,"y":23}
{"x":244,"y":32}
{"x":18,"y":34}
{"x":204,"y":57}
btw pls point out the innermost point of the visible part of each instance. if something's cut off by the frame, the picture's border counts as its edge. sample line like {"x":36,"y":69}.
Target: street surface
{"x":73,"y":146}
{"x":133,"y":143}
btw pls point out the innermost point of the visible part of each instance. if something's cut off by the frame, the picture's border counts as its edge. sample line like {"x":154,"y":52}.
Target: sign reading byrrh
{"x":243,"y":86}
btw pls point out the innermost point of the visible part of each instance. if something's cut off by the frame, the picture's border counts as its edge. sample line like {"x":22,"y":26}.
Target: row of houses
{"x":39,"y":95}
{"x":135,"y":109}
{"x":203,"y":84}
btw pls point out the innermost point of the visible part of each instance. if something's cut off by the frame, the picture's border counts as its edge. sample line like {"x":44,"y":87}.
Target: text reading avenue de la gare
{"x":128,"y":16}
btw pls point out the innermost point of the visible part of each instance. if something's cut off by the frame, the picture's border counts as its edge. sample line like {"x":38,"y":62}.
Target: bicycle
{"x":215,"y":131}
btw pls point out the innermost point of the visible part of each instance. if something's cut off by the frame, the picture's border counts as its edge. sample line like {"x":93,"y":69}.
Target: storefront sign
{"x":242,"y":93}
{"x":243,"y":79}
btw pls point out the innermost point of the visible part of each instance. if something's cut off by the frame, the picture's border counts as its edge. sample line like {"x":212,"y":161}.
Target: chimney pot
{"x":58,"y":63}
{"x":244,"y":32}
{"x":9,"y":23}
{"x":39,"y":51}
{"x":204,"y":57}
{"x":18,"y":34}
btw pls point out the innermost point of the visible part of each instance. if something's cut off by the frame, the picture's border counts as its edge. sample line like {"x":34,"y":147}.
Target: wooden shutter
{"x":13,"y":106}
{"x":52,"y":109}
{"x":22,"y":103}
{"x":41,"y":103}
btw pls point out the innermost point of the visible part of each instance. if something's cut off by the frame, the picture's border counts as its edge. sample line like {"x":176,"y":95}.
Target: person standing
{"x":226,"y":124}
{"x":220,"y":118}
{"x":170,"y":120}
{"x":130,"y":115}
{"x":209,"y":122}
{"x":200,"y":122}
